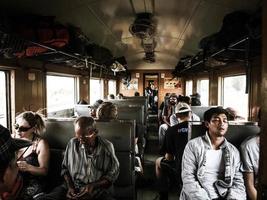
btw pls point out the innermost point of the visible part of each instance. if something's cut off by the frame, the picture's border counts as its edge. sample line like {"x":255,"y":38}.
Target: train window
{"x":233,"y":94}
{"x":112,"y":87}
{"x":3,"y":100}
{"x":188,"y":88}
{"x":96,"y":90}
{"x":203,"y":90}
{"x":60,"y":92}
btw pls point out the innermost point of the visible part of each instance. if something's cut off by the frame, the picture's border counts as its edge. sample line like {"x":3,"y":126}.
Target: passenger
{"x":176,"y":137}
{"x":111,"y":96}
{"x":120,"y":96}
{"x":174,"y":117}
{"x":10,"y":181}
{"x":136,"y":94}
{"x":250,"y":151}
{"x":168,"y":110}
{"x":107,"y":111}
{"x":89,"y":167}
{"x":94,"y":107}
{"x":161,"y":107}
{"x":211,"y":165}
{"x":33,"y":161}
{"x":233,"y":116}
{"x":195,"y":99}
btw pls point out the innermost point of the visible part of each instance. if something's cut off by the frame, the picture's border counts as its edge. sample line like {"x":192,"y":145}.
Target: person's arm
{"x":71,"y":193}
{"x":165,"y":120}
{"x":107,"y":179}
{"x":173,"y":120}
{"x":165,"y":115}
{"x":114,"y":165}
{"x":237,"y":190}
{"x":191,"y":186}
{"x":249,"y":183}
{"x":43,"y":159}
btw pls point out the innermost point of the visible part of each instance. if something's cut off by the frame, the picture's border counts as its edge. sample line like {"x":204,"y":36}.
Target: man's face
{"x":173,"y":100}
{"x":218,"y":125}
{"x":9,"y":178}
{"x":85,"y":137}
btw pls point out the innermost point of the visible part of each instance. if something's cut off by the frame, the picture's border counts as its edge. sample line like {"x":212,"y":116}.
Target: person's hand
{"x":23,"y":166}
{"x":71,"y":194}
{"x":86,"y":192}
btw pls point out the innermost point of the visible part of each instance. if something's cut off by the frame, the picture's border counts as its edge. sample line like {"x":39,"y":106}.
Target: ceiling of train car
{"x":180,"y":25}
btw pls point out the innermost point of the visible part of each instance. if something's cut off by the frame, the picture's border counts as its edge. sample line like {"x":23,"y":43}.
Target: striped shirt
{"x":84,"y":168}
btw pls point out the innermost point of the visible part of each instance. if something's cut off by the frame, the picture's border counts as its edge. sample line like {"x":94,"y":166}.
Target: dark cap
{"x":9,"y":145}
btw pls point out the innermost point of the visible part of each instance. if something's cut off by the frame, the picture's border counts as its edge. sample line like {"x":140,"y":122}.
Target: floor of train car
{"x":147,"y":186}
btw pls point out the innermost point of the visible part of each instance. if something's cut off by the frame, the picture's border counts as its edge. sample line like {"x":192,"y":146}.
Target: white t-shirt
{"x":214,"y":170}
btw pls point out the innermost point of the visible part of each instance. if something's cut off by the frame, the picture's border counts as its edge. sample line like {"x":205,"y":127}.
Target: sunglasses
{"x":21,"y":128}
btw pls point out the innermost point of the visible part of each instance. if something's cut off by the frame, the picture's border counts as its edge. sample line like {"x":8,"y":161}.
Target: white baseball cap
{"x":182,"y":107}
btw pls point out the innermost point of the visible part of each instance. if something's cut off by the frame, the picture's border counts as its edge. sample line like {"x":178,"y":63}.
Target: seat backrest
{"x":132,"y":112}
{"x":237,"y":131}
{"x":130,"y":102}
{"x":82,"y":110}
{"x":121,"y":133}
{"x":199,"y":110}
{"x":59,"y":132}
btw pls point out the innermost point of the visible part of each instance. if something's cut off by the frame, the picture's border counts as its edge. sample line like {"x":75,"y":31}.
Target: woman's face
{"x":23,"y":128}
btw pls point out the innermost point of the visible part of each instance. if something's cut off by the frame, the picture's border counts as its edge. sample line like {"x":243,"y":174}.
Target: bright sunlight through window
{"x":96,"y":90}
{"x":60,"y":93}
{"x":3,"y":103}
{"x":234,"y":94}
{"x":112,"y":87}
{"x":188,"y":88}
{"x":203,"y":90}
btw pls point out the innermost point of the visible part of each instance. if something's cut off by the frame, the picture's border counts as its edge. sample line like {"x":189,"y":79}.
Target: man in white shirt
{"x":210,"y":164}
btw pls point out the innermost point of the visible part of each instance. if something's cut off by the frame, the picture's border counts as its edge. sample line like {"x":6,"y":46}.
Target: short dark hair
{"x":185,"y":99}
{"x":136,"y":94}
{"x":216,"y":110}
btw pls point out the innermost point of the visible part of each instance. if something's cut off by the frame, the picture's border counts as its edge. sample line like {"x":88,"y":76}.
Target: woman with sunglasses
{"x":32,"y":161}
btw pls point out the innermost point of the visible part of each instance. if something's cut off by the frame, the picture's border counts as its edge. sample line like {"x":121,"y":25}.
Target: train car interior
{"x":64,"y":58}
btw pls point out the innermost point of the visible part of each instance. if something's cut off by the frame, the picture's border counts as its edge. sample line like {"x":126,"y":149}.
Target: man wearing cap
{"x":210,"y":164}
{"x":174,"y":119}
{"x":10,"y":181}
{"x":175,"y":140}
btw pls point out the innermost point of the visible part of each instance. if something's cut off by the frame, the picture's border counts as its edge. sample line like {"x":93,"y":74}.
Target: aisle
{"x":147,"y":186}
